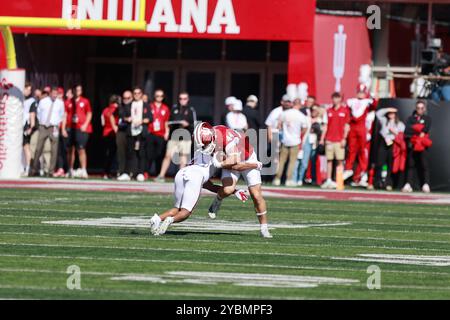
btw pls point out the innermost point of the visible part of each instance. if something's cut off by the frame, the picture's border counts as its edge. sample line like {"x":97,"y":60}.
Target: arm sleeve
{"x":408,"y":127}
{"x":401,"y":127}
{"x":381,"y":114}
{"x":427,"y":124}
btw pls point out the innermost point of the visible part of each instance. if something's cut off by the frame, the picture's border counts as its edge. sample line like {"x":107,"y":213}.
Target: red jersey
{"x":337,"y":119}
{"x":160,"y":117}
{"x":359,"y":109}
{"x":68,"y":108}
{"x":82,"y":108}
{"x":106,"y":114}
{"x":230,"y":141}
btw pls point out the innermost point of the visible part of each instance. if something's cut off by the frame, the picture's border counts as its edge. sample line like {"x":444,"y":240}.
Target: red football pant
{"x":357,"y":142}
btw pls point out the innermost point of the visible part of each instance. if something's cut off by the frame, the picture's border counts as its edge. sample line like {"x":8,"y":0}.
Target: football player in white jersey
{"x":190,"y":181}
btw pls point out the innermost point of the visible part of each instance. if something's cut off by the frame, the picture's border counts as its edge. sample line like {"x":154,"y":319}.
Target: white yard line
{"x":296,"y":245}
{"x":221,"y":264}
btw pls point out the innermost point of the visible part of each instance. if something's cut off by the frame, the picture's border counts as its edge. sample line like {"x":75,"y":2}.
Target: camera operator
{"x":442,"y":68}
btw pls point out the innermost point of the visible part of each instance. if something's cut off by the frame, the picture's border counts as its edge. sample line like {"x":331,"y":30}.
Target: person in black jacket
{"x":251,"y":112}
{"x":418,"y":127}
{"x":182,"y":116}
{"x":121,"y":135}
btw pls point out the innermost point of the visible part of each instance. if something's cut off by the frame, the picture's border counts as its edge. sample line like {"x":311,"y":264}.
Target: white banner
{"x":11,"y":123}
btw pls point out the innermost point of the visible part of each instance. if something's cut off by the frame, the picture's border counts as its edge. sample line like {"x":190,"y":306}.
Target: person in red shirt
{"x":158,"y":132}
{"x":335,"y":136}
{"x":80,"y":130}
{"x":110,"y":119}
{"x":357,"y":138}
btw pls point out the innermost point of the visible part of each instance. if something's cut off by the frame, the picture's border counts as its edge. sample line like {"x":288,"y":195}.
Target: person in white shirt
{"x":273,"y":118}
{"x":50,"y":114}
{"x":293,"y":125}
{"x":235,"y":119}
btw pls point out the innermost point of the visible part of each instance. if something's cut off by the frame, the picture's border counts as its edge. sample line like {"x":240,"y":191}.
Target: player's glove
{"x":241,"y":195}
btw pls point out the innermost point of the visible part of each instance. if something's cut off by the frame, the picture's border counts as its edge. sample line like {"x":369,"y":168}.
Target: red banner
{"x":341,"y":46}
{"x":289,"y":20}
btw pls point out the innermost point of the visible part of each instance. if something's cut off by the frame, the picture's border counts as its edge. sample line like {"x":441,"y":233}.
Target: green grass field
{"x":328,"y":259}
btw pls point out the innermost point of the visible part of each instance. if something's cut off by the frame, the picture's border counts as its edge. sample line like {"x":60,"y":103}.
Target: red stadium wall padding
{"x":301,"y":64}
{"x":357,"y":52}
{"x":2,"y":54}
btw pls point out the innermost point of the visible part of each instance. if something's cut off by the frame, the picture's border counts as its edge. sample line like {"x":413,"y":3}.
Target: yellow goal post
{"x":7,"y":22}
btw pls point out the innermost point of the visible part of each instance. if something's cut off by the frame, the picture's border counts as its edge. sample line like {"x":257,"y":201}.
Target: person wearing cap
{"x":391,"y":131}
{"x":251,"y":112}
{"x":359,"y":107}
{"x":293,"y":125}
{"x":273,"y":118}
{"x":235,"y":119}
{"x":229,"y":103}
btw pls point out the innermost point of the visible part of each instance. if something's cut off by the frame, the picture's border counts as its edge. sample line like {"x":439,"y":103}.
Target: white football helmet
{"x":204,"y":138}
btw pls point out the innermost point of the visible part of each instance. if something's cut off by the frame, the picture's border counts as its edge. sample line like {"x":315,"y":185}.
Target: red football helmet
{"x":204,"y":138}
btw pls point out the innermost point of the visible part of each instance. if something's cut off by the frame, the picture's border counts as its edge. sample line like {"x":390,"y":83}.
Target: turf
{"x":34,"y":256}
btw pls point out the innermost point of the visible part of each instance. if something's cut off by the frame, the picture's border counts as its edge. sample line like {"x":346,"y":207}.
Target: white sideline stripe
{"x":435,"y":261}
{"x":296,"y":245}
{"x":239,"y":279}
{"x":233,"y":264}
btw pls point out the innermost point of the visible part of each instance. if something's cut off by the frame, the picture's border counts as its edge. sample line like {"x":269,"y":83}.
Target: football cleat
{"x":214,"y":208}
{"x":155,"y":222}
{"x":265,"y":233}
{"x":165,"y":225}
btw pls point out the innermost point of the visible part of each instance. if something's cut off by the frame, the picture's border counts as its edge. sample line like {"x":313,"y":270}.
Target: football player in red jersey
{"x":357,"y":138}
{"x":236,"y":144}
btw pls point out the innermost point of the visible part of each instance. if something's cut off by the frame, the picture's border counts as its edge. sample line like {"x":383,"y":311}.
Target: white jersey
{"x":203,"y":163}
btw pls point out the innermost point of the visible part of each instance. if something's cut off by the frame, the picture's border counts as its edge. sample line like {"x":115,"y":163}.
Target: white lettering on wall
{"x":90,"y":8}
{"x":194,"y":13}
{"x":224,"y":15}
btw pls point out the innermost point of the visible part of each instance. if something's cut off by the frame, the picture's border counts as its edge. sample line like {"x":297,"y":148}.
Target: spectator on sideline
{"x":229,"y":103}
{"x":141,"y":116}
{"x":309,"y":146}
{"x":391,"y":131}
{"x":235,"y":119}
{"x":251,"y":113}
{"x":29,"y":124}
{"x":293,"y":125}
{"x":65,"y":136}
{"x":50,"y":113}
{"x":335,"y":137}
{"x":159,"y":132}
{"x":272,"y":120}
{"x":123,"y":127}
{"x":109,"y":121}
{"x":81,"y":128}
{"x":418,"y":127}
{"x":182,"y":116}
{"x":310,"y":103}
